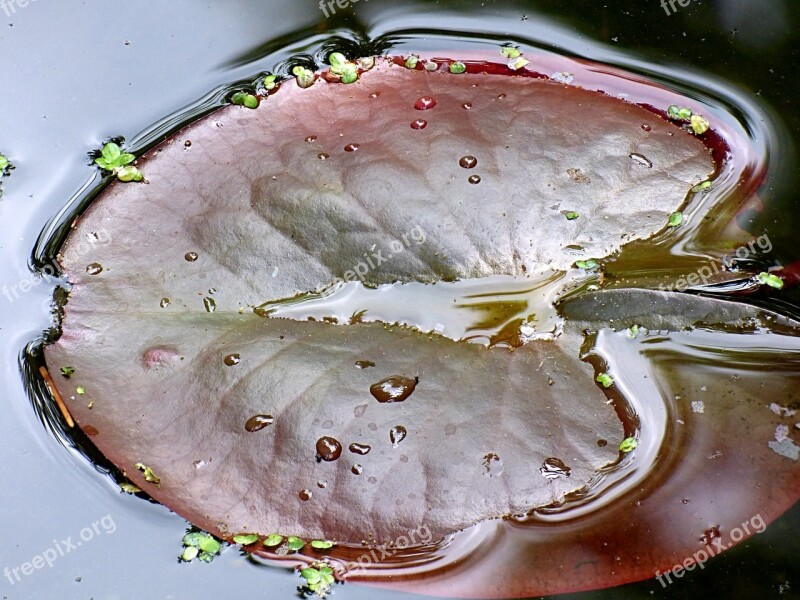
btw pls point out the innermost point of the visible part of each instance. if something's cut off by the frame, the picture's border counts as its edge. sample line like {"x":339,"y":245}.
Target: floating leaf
{"x":321,"y":544}
{"x":628,"y":444}
{"x":273,"y":539}
{"x":285,"y":229}
{"x":245,"y":539}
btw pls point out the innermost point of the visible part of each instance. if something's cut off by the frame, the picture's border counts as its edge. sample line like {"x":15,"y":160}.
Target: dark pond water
{"x":78,"y":73}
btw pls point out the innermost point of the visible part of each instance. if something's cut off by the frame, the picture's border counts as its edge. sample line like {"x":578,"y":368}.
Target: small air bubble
{"x":419,"y":124}
{"x":311,"y":138}
{"x":305,"y":495}
{"x":474,"y":179}
{"x":323,"y":156}
{"x":94,"y":269}
{"x":351,"y":147}
{"x":232,"y":359}
{"x":190,"y":256}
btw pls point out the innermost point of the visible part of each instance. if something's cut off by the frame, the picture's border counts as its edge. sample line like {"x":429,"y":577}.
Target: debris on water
{"x":641,"y":159}
{"x":449,"y":429}
{"x":393,"y":389}
{"x":698,"y":406}
{"x":328,"y":448}
{"x":781,"y":433}
{"x":210,"y":304}
{"x":782,"y":411}
{"x":492,"y":465}
{"x":562,"y":77}
{"x":577,"y":176}
{"x":165,"y":302}
{"x":554,"y":467}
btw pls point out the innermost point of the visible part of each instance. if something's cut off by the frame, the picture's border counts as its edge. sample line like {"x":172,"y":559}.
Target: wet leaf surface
{"x":229,"y":406}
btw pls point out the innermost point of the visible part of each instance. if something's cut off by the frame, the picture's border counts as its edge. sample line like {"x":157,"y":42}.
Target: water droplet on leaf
{"x":397,"y":434}
{"x":258,"y":422}
{"x":328,"y":448}
{"x":393,"y":389}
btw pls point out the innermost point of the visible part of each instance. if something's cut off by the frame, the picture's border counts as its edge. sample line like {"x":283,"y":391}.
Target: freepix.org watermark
{"x":93,"y":240}
{"x":670,"y":8}
{"x":705,"y":273}
{"x":10,"y":6}
{"x":375,"y":257}
{"x":714,"y":545}
{"x":327,"y":6}
{"x":420,"y":536}
{"x":60,"y":547}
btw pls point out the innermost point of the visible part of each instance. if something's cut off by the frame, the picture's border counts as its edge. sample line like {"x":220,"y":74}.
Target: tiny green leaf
{"x":245,"y":539}
{"x":675,"y":219}
{"x":129,"y":173}
{"x":111,"y":152}
{"x":209,"y":545}
{"x":148,"y":474}
{"x":3,"y":162}
{"x":67,"y":371}
{"x":251,"y":101}
{"x":124,"y":159}
{"x":457,"y":67}
{"x":633,"y":331}
{"x":295,"y":544}
{"x":206,"y":557}
{"x":312,"y":576}
{"x":129,"y":488}
{"x":273,"y":539}
{"x":587,"y":265}
{"x":605,"y":380}
{"x":366,"y":62}
{"x":701,"y":187}
{"x":349,"y":73}
{"x":321,"y":544}
{"x":189,"y":553}
{"x":571,"y":215}
{"x":699,"y":124}
{"x":628,"y":444}
{"x":270,"y":81}
{"x":518,"y":63}
{"x":412,"y":61}
{"x":305,"y":77}
{"x":678,"y":113}
{"x":510,"y":51}
{"x":770,"y":280}
{"x":193,"y":538}
{"x":80,"y":390}
{"x":337,"y":60}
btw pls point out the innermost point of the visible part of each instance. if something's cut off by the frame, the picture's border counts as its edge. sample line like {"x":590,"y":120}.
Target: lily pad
{"x":326,"y":191}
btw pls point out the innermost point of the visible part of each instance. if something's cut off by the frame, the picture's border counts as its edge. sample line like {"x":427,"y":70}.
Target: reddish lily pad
{"x":177,"y":353}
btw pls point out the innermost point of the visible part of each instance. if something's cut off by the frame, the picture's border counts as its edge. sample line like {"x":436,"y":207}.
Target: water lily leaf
{"x":240,"y":412}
